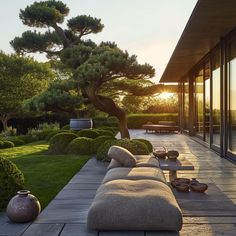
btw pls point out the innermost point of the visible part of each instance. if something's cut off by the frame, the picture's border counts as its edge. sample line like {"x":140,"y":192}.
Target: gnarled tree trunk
{"x":107,"y":105}
{"x":4,"y":119}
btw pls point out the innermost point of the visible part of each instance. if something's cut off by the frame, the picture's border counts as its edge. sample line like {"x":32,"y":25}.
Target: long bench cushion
{"x":134,"y":205}
{"x":135,"y":174}
{"x":141,"y":161}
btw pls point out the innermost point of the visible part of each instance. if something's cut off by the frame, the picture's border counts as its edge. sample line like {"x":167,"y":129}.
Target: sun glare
{"x":165,"y":95}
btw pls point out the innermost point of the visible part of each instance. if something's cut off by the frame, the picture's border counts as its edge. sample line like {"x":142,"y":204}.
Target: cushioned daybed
{"x":134,"y":198}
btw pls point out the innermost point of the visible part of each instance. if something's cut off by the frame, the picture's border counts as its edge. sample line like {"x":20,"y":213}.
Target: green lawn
{"x":45,"y":175}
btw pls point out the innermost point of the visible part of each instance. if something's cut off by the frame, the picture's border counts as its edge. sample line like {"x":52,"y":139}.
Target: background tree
{"x":95,"y":68}
{"x":20,"y":79}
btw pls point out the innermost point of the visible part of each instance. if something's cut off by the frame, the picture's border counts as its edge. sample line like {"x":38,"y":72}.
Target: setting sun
{"x":165,"y":95}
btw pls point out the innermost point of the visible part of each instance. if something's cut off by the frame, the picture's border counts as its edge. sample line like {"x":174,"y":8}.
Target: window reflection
{"x":199,"y":102}
{"x":186,"y":105}
{"x":207,"y":102}
{"x":232,"y":98}
{"x":216,"y":112}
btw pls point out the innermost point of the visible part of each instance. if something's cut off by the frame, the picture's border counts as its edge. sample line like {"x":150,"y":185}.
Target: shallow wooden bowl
{"x":172,"y":153}
{"x":198,"y":187}
{"x":180,"y":181}
{"x":182,"y":187}
{"x":172,"y":158}
{"x":160,"y":154}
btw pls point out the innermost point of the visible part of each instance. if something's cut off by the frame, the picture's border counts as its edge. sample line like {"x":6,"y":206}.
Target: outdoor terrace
{"x":212,"y":213}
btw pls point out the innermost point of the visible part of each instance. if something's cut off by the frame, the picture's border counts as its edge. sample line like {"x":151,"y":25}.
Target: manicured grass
{"x":45,"y":175}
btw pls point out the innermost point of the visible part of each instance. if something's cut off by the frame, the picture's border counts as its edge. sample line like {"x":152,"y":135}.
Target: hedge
{"x":11,"y":181}
{"x":135,"y":121}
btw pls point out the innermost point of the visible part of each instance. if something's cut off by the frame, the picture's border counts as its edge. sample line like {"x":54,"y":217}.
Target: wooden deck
{"x":213,"y":213}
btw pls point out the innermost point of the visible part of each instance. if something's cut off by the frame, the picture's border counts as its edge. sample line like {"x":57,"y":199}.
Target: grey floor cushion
{"x":134,"y":205}
{"x":141,"y":161}
{"x":135,"y":174}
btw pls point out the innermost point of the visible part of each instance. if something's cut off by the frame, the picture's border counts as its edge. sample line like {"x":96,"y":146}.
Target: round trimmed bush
{"x":134,"y":146}
{"x":97,"y":142}
{"x":80,"y":146}
{"x":66,"y":127}
{"x":88,"y":133}
{"x":51,"y":134}
{"x":148,"y":143}
{"x":11,"y":181}
{"x":8,"y":144}
{"x":58,"y":143}
{"x":17,"y":141}
{"x":103,"y":150}
{"x":103,"y":132}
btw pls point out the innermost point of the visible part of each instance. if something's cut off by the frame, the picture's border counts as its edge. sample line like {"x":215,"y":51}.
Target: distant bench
{"x":161,"y":127}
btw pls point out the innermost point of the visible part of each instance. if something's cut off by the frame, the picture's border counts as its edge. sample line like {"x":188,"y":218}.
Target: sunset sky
{"x":149,"y":29}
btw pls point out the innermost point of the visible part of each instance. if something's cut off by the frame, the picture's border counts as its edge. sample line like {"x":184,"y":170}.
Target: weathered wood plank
{"x":209,"y":220}
{"x":77,"y":230}
{"x":43,"y":230}
{"x":208,"y":229}
{"x":122,"y":233}
{"x":9,"y":228}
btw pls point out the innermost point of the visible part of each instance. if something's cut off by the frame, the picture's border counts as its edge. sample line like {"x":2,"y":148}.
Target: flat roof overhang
{"x":210,"y":21}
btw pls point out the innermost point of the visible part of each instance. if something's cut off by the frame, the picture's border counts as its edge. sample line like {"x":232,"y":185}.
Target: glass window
{"x":199,"y":102}
{"x":207,"y":101}
{"x":216,"y":98}
{"x":186,"y":105}
{"x":232,"y":97}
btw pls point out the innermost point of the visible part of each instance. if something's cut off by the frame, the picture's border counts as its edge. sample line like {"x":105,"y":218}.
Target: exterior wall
{"x":208,"y":98}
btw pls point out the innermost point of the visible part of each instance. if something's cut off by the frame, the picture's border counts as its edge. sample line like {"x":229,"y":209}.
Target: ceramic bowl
{"x":180,"y":181}
{"x":160,"y":154}
{"x":182,"y":187}
{"x":198,"y":187}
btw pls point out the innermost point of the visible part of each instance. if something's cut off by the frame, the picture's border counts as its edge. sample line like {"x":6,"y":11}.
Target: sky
{"x":149,"y":29}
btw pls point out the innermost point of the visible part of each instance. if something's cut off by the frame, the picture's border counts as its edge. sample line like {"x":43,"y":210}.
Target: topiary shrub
{"x":8,"y":144}
{"x":97,"y":142}
{"x":65,"y":127}
{"x":80,"y":146}
{"x":88,"y":133}
{"x":51,"y":134}
{"x":103,"y":150}
{"x":11,"y":181}
{"x":134,"y":146}
{"x":103,"y":132}
{"x":58,"y":143}
{"x":17,"y":141}
{"x":148,"y":143}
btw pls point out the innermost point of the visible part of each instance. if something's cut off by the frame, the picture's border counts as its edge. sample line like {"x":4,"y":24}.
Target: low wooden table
{"x":174,"y":166}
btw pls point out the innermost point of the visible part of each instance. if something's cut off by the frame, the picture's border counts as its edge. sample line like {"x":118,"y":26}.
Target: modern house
{"x":204,"y":65}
